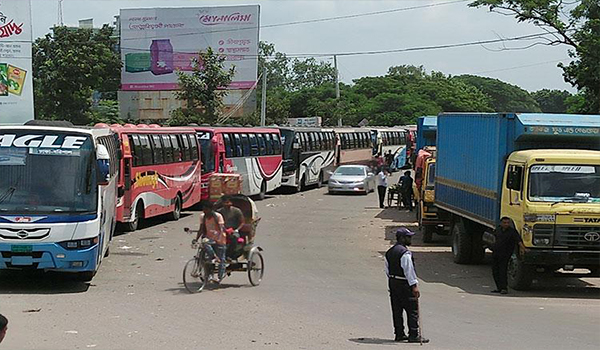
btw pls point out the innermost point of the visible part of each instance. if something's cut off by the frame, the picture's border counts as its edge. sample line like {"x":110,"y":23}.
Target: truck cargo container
{"x":540,"y":170}
{"x":426,"y":131}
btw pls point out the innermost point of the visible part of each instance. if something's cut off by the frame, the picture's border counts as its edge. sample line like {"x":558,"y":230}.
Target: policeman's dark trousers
{"x":500,"y":270}
{"x":381,"y":191}
{"x":407,"y":200}
{"x":402,"y":299}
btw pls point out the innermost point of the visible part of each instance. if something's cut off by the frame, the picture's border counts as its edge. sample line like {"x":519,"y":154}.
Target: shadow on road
{"x":154,"y":221}
{"x":374,"y":341}
{"x":38,"y":282}
{"x":395,"y":215}
{"x":212,"y":286}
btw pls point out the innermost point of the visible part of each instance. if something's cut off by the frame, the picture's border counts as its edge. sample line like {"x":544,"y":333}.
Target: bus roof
{"x":225,"y":129}
{"x":133,"y":129}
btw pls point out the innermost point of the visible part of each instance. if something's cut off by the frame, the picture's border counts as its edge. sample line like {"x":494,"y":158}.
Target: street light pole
{"x":263,"y":107}
{"x":337,"y":86}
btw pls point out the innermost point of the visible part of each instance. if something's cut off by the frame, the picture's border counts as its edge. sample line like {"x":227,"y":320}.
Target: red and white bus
{"x":354,"y":146}
{"x":160,"y":172}
{"x":253,"y":153}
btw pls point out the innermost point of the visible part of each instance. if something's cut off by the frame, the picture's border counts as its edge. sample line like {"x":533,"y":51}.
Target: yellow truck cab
{"x":431,"y":220}
{"x":553,"y":198}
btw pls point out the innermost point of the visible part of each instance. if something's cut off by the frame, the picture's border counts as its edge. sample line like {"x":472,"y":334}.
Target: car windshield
{"x":564,"y":183}
{"x":350,"y":171}
{"x":45,"y":173}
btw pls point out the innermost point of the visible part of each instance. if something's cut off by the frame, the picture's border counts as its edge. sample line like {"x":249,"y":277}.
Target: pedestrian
{"x":3,"y":327}
{"x":212,"y":227}
{"x":380,"y":161}
{"x":506,"y":240}
{"x":382,"y":185}
{"x":389,"y":159}
{"x":406,"y":190}
{"x":404,"y":288}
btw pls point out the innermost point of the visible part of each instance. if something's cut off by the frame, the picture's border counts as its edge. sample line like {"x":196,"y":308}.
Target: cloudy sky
{"x":533,"y":68}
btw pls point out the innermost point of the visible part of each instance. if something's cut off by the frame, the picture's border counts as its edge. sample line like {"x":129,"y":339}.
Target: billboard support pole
{"x":263,"y":108}
{"x":337,"y":86}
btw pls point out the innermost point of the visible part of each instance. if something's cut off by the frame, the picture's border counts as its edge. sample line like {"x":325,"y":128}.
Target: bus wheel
{"x":84,"y":276}
{"x":176,"y":214}
{"x":303,"y":183}
{"x":320,"y":181}
{"x":139,"y":213}
{"x":263,"y":191}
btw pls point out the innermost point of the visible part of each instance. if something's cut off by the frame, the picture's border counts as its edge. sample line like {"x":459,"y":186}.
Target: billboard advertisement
{"x":16,"y":83}
{"x":158,"y":42}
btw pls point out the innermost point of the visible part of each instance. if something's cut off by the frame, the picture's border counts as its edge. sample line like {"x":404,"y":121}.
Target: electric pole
{"x":337,"y":86}
{"x":61,"y":21}
{"x":263,"y":107}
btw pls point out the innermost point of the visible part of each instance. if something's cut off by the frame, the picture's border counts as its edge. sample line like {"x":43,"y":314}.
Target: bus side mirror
{"x":103,"y":165}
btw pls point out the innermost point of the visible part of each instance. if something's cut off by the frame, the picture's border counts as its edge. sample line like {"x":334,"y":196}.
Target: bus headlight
{"x":80,"y":243}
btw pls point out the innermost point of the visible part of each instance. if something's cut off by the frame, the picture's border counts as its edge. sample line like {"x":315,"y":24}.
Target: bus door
{"x":127,"y":195}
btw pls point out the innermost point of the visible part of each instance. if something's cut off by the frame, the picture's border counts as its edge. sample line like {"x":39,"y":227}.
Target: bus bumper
{"x":47,"y":256}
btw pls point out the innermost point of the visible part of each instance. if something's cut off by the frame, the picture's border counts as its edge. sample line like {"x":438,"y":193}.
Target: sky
{"x":532,"y":69}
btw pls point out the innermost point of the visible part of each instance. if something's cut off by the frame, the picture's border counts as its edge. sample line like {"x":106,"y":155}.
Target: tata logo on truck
{"x":592,"y":236}
{"x":587,"y":220}
{"x":41,"y":141}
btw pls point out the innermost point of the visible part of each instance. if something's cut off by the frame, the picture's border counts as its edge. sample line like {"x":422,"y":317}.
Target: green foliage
{"x":576,"y":26}
{"x":202,"y":90}
{"x":504,"y":97}
{"x":68,"y":65}
{"x":552,"y":101}
{"x":107,"y":112}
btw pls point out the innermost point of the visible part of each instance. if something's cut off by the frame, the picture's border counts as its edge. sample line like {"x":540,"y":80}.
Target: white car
{"x":352,"y":178}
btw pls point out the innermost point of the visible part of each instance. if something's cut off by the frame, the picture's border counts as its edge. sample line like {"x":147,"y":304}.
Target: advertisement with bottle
{"x":156,"y":43}
{"x":16,"y":83}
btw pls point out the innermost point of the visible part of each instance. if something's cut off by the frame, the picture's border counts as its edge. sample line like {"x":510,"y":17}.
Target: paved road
{"x":324,"y":288}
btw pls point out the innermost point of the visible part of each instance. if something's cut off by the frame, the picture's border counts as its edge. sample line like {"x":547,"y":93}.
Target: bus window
{"x":228,"y":146}
{"x":367,"y":142}
{"x":159,"y":157}
{"x":245,"y":145}
{"x":185,"y":142}
{"x":238,"y":145}
{"x":193,"y":147}
{"x":262,"y":146}
{"x":315,"y":141}
{"x":134,"y":141}
{"x":269,"y":143}
{"x":276,"y":144}
{"x":321,"y":141}
{"x":177,"y":156}
{"x":146,"y":150}
{"x":253,"y":145}
{"x":304,"y":141}
{"x":168,"y":148}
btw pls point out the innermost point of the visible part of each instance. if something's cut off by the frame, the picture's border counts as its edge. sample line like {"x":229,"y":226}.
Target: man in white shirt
{"x":404,"y":287}
{"x":382,"y":185}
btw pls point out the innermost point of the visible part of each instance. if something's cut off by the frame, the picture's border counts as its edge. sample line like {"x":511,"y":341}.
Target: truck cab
{"x":553,"y":199}
{"x":431,"y":220}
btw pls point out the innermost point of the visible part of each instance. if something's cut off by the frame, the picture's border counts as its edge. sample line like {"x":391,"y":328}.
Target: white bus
{"x":391,"y":139}
{"x":308,"y":156}
{"x":57,"y":197}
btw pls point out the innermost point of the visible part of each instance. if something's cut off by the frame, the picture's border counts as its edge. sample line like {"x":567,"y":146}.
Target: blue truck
{"x":540,"y":170}
{"x":426,"y":131}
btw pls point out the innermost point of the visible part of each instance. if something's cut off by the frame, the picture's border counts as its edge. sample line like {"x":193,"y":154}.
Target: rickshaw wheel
{"x":195,"y":276}
{"x":256,"y":268}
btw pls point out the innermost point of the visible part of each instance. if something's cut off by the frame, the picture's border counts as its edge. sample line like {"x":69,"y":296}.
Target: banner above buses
{"x":158,"y":42}
{"x":16,"y":86}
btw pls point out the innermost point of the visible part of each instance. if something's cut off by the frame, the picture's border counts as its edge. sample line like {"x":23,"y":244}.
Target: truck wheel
{"x":461,"y":243}
{"x":520,"y":275}
{"x":477,"y":248}
{"x":428,"y":231}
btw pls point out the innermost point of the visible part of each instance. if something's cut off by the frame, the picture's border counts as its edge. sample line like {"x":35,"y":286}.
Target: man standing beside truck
{"x":507,"y":239}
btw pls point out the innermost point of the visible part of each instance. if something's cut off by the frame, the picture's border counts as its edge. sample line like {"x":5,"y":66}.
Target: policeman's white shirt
{"x":407,"y":266}
{"x":382,"y":179}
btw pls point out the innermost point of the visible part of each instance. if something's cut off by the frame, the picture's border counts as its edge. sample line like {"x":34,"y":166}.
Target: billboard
{"x":16,"y":83}
{"x":158,"y":42}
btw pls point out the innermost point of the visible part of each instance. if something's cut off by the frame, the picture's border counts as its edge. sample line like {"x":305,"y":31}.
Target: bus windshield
{"x":207,"y":153}
{"x":564,"y":183}
{"x":287,"y":138}
{"x":47,"y":173}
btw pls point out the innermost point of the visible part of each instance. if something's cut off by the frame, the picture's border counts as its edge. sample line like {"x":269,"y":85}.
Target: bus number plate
{"x":22,"y":248}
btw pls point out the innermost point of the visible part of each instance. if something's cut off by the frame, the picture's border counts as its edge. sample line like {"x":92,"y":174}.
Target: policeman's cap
{"x":404,"y":232}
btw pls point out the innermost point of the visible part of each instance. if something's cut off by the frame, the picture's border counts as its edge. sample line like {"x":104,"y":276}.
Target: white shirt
{"x":408,"y":267}
{"x":382,"y":179}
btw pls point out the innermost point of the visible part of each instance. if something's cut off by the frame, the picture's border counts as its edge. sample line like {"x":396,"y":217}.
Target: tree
{"x":107,"y":112}
{"x":504,"y":97}
{"x":203,"y":90}
{"x":575,"y":26}
{"x":68,"y":65}
{"x":552,"y":101}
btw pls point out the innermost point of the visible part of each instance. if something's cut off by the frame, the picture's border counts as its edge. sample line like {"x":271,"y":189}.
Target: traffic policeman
{"x":404,"y":287}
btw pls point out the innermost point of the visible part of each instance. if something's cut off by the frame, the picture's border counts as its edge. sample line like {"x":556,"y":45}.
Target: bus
{"x":353,"y":146}
{"x":253,"y":153}
{"x":57,"y":197}
{"x":160,"y":172}
{"x":308,"y":156}
{"x":391,"y":139}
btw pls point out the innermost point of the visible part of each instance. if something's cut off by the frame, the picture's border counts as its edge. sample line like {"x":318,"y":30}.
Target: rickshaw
{"x":242,"y":254}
